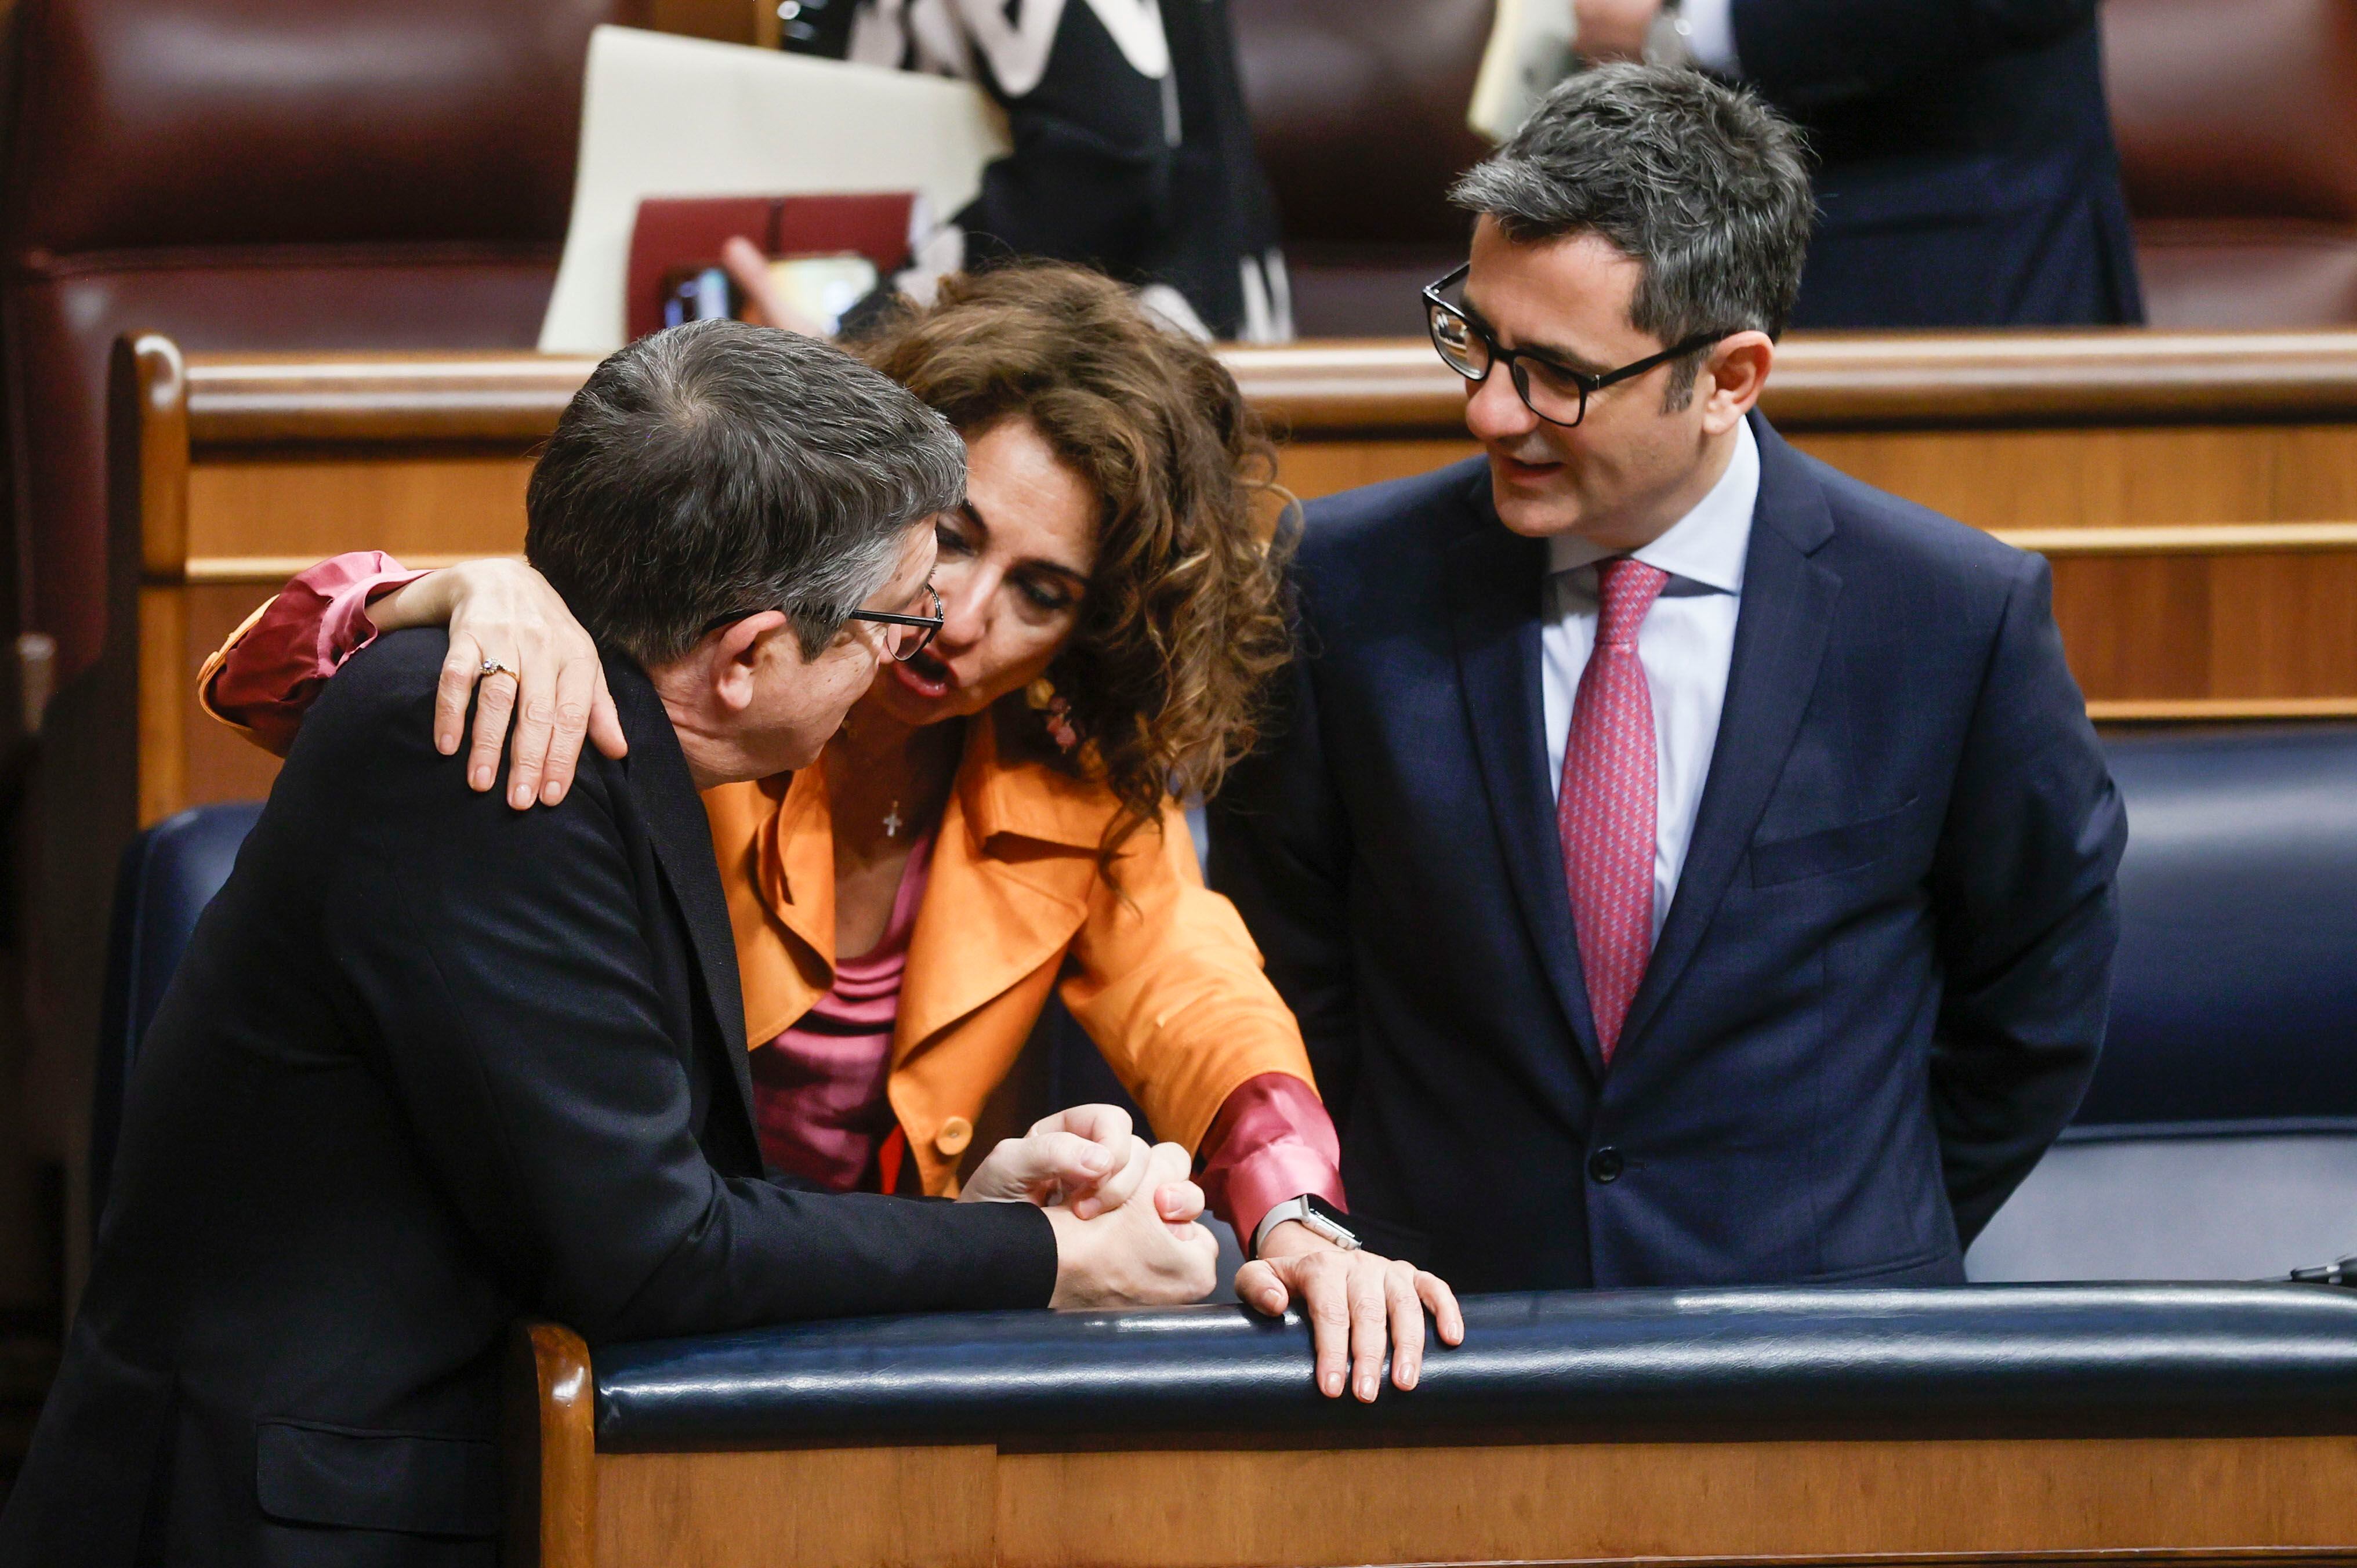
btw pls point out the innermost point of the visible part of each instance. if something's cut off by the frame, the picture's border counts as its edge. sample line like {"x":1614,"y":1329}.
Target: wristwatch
{"x":1321,"y":1218}
{"x":1670,"y":40}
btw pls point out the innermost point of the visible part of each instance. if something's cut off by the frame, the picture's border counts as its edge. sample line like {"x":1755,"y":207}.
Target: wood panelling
{"x":1616,"y":1503}
{"x":2196,"y":492}
{"x":429,"y":503}
{"x":1312,"y":468}
{"x":2211,"y":1501}
{"x":850,"y":1507}
{"x":2107,"y":477}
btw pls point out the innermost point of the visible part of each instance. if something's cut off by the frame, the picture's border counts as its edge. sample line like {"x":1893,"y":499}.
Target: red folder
{"x":674,"y":234}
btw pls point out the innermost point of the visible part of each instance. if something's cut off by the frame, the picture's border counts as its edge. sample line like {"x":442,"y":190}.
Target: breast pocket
{"x":1845,"y":848}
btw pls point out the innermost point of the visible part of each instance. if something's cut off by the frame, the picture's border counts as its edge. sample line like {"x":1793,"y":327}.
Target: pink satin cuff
{"x":1270,"y":1140}
{"x":318,"y":620}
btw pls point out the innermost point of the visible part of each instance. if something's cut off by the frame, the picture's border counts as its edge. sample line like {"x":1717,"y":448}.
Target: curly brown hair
{"x":1183,"y":625}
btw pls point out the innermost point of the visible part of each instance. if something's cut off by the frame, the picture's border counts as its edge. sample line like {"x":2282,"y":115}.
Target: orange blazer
{"x":1157,"y":968}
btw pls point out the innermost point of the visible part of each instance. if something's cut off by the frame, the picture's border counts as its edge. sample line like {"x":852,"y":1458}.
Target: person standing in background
{"x":1967,"y":175}
{"x":1133,"y":150}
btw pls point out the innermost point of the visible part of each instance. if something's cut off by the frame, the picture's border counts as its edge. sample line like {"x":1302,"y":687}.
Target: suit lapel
{"x":1780,"y":641}
{"x":1495,"y":582}
{"x":682,"y":835}
{"x":997,"y":908}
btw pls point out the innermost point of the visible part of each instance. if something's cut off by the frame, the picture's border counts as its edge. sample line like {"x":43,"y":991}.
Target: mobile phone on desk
{"x":822,"y":288}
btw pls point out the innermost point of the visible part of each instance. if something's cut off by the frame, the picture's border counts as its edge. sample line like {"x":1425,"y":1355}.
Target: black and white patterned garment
{"x":1132,"y":149}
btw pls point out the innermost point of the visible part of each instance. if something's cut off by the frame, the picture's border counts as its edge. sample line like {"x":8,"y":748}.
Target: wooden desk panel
{"x":264,"y":518}
{"x":1858,"y":1501}
{"x":2196,"y":492}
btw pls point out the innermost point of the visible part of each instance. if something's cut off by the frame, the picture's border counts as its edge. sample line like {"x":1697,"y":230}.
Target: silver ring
{"x":493,"y":667}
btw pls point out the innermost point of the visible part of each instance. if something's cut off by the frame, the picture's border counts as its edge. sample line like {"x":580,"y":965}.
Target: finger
{"x":494,"y":703}
{"x":1262,"y":1288}
{"x":1325,"y":1301}
{"x":461,"y":668}
{"x":1370,"y":1330}
{"x":1407,"y":1325}
{"x":1202,"y":1252}
{"x":1058,"y":1159}
{"x":575,"y":683}
{"x":750,"y":268}
{"x":1178,"y":1202}
{"x":1169,"y":1163}
{"x":605,"y":723}
{"x":1106,"y":1124}
{"x":1111,"y":1189}
{"x":1446,"y":1312}
{"x":535,"y":723}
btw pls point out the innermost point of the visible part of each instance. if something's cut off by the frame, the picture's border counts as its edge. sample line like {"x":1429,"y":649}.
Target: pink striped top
{"x":819,"y":1089}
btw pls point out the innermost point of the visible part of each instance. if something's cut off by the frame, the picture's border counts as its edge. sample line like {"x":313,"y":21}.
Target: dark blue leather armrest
{"x":1697,"y":1363}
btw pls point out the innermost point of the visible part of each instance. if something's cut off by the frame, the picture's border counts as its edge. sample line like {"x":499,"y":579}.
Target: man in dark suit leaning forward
{"x":431,"y":1063}
{"x":1689,"y":864}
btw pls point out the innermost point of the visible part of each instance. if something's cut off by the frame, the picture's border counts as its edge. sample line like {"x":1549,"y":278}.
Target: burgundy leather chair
{"x":1360,"y":110}
{"x":2237,"y":123}
{"x":258,"y":175}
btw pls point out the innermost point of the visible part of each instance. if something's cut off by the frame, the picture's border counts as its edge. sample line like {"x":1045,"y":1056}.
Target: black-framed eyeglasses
{"x":1556,"y":393}
{"x":905,"y":636}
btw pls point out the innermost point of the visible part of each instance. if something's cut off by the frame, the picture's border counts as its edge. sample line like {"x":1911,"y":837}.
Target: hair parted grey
{"x":1703,"y":184}
{"x":719,"y":468}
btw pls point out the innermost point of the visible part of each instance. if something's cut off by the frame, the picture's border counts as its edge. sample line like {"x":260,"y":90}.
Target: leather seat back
{"x":260,"y":175}
{"x":2237,"y":125}
{"x":1359,"y":108}
{"x":167,"y":876}
{"x":2218,"y":1139}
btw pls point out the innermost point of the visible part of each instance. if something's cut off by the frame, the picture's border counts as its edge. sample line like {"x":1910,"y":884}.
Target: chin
{"x":1535,"y":516}
{"x":920,"y":692}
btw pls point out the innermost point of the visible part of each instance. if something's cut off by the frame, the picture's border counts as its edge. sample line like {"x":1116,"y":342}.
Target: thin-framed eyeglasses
{"x":905,"y":636}
{"x":1556,"y":393}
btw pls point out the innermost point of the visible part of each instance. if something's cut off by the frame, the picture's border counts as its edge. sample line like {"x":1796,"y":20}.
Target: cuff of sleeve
{"x":1272,"y":1141}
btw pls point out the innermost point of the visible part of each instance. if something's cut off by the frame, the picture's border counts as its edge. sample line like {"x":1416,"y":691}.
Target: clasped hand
{"x":1128,"y":1234}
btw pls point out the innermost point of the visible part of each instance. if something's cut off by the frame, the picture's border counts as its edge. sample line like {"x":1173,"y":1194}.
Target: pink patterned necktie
{"x":1604,"y":812}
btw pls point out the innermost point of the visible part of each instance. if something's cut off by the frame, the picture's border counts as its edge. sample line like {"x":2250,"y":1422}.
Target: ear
{"x":735,"y":655}
{"x":1738,"y":369}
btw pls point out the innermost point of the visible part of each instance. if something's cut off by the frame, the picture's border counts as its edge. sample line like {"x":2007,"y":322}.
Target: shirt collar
{"x":1708,"y":544}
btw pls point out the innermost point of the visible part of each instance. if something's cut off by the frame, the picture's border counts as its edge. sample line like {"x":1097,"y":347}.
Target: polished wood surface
{"x":1862,"y":1500}
{"x":2196,"y":493}
{"x":1827,"y":381}
{"x":551,"y":1456}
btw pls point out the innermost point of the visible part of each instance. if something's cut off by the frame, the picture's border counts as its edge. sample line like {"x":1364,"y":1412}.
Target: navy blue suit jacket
{"x":1967,"y":171}
{"x":1881,"y":986}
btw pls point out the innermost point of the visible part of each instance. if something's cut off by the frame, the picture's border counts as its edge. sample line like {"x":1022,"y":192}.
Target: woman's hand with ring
{"x":519,"y":653}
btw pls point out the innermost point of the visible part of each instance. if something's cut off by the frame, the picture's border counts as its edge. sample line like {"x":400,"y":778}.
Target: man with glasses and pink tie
{"x":1688,"y":864}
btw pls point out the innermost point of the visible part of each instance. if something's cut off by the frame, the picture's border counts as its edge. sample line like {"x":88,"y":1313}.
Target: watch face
{"x":1330,"y":1214}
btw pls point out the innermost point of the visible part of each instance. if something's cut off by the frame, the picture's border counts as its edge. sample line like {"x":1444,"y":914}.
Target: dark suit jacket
{"x":1881,"y":986}
{"x":430,"y":1064}
{"x":1967,"y":172}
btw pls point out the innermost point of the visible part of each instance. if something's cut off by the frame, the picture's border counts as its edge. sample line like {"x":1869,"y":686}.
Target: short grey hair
{"x":1702,"y":185}
{"x":717,"y":469}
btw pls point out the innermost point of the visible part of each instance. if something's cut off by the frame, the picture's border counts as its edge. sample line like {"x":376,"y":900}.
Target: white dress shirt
{"x":1687,"y":642}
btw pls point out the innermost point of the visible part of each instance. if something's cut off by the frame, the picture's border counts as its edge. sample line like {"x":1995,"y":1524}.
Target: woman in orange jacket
{"x":996,"y":819}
